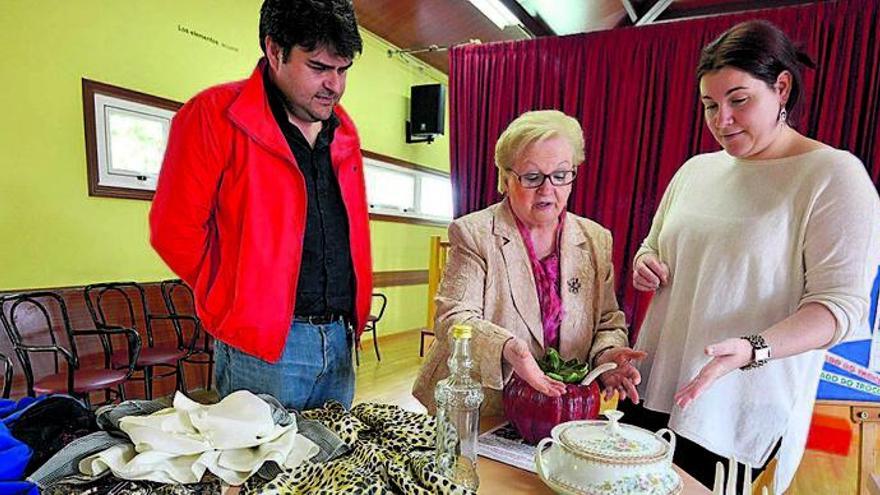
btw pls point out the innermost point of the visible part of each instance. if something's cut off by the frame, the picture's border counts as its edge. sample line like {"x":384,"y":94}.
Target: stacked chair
{"x":32,"y":321}
{"x":180,"y":302}
{"x":7,"y":375}
{"x":155,"y":355}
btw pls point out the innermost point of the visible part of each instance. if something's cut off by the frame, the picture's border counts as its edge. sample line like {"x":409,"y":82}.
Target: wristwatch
{"x":760,"y":351}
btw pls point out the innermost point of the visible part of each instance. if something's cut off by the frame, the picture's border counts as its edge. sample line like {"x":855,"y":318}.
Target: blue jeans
{"x":314,"y":368}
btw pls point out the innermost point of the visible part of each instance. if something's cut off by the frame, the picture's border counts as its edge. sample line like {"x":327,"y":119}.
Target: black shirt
{"x":326,"y":274}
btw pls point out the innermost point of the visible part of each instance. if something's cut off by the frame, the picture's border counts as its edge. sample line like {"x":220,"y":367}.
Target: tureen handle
{"x":598,"y":370}
{"x":539,"y":461}
{"x":613,"y":416}
{"x":671,"y":440}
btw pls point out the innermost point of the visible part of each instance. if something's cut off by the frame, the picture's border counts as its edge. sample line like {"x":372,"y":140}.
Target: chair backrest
{"x":39,"y":313}
{"x":7,"y":375}
{"x":379,"y":295}
{"x":119,"y":304}
{"x":178,"y":297}
{"x":436,"y":264}
{"x":180,"y":301}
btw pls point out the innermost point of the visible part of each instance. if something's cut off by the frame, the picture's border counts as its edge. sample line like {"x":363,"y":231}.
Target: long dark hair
{"x":760,"y":49}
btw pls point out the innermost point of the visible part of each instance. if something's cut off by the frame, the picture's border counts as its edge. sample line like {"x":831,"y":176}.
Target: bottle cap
{"x":461,"y":331}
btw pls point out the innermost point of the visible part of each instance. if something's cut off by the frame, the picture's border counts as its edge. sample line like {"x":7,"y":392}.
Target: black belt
{"x":321,"y":319}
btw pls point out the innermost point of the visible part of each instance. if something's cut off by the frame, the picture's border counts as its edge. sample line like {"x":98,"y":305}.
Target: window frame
{"x":414,"y":170}
{"x":96,"y":97}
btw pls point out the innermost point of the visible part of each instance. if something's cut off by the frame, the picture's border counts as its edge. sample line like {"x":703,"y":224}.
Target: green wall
{"x":378,"y":99}
{"x":53,"y":233}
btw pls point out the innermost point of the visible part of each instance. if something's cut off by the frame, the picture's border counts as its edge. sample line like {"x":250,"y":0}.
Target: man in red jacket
{"x":261,"y":208}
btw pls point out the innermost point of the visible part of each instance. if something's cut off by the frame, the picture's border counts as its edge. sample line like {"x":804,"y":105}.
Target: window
{"x":389,"y":190}
{"x":405,"y":192}
{"x":435,"y":197}
{"x":126,"y":135}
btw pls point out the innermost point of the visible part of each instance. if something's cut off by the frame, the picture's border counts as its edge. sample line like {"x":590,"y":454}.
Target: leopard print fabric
{"x":392,"y":452}
{"x":109,"y":484}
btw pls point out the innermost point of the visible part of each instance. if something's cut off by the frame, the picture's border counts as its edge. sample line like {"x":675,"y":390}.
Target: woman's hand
{"x":516,"y":353}
{"x":728,"y":355}
{"x":625,"y":377}
{"x":650,"y":273}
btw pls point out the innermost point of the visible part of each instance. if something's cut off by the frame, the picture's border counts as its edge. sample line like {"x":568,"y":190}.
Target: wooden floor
{"x":824,"y":473}
{"x":390,"y":381}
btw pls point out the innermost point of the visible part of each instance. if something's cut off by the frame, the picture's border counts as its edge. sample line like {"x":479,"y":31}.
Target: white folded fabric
{"x":232,"y":439}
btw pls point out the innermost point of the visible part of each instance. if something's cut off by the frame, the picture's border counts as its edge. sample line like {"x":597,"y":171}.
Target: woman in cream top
{"x":768,"y":246}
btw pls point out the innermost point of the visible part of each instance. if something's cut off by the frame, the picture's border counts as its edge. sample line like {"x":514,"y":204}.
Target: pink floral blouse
{"x":546,"y":273}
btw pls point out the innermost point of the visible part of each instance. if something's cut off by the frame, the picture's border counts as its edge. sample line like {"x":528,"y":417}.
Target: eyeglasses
{"x":534,"y":180}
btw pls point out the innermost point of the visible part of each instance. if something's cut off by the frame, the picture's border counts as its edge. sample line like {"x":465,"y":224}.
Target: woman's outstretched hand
{"x":727,"y":356}
{"x":516,"y":353}
{"x":625,"y":377}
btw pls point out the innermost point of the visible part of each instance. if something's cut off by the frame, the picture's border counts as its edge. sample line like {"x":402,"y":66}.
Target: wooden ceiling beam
{"x":682,"y":10}
{"x":534,"y":25}
{"x":653,"y":13}
{"x":630,"y":10}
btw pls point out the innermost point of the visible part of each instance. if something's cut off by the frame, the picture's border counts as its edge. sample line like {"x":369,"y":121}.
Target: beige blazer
{"x":488,"y":283}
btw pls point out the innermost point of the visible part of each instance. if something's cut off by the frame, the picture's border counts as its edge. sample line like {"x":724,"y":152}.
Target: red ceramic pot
{"x":534,"y":414}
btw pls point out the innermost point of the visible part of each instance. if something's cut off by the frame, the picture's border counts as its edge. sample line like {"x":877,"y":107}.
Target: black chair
{"x":100,"y":299}
{"x":179,"y":301}
{"x":372,"y":322}
{"x":39,"y":312}
{"x":7,"y":375}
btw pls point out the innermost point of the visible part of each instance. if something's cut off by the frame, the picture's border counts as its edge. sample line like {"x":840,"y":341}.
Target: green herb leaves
{"x":571,"y":371}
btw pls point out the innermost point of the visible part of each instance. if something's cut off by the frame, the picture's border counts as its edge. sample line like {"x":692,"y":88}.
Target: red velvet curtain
{"x":636,"y":96}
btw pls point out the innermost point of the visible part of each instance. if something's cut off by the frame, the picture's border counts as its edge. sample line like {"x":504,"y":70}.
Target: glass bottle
{"x":458,"y":398}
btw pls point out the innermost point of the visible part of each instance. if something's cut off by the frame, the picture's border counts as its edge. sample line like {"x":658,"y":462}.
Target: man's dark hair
{"x":310,"y":24}
{"x":760,"y":49}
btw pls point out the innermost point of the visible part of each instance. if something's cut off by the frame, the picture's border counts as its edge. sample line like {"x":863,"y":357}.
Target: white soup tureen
{"x":607,"y":458}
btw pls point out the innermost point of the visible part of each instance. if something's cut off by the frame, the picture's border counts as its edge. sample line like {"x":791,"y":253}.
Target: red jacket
{"x":230,"y":210}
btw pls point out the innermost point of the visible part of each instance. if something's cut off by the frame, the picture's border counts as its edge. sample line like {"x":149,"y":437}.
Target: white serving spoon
{"x":598,"y":370}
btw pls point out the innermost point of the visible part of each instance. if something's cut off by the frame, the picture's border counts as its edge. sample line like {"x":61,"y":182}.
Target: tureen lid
{"x":611,"y":441}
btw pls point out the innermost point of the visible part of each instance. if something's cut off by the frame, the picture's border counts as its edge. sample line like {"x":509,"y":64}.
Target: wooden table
{"x":874,"y":485}
{"x":496,"y":477}
{"x":499,"y":478}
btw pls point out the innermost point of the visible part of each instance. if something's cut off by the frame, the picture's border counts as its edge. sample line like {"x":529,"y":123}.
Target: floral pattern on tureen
{"x":615,"y":441}
{"x":613,"y":445}
{"x":643,"y":484}
{"x":598,"y":458}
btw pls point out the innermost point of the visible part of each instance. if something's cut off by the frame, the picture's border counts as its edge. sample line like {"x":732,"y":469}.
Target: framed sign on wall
{"x":126,"y":133}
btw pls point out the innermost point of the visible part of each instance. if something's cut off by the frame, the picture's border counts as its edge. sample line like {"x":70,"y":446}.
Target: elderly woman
{"x":528,"y":276}
{"x":761,"y":256}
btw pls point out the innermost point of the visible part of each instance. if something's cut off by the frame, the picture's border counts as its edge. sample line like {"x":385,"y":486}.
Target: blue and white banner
{"x":852,"y":369}
{"x":874,"y":363}
{"x":851,"y":383}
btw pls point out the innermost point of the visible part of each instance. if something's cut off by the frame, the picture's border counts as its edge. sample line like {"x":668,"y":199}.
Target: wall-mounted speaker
{"x":427,"y":109}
